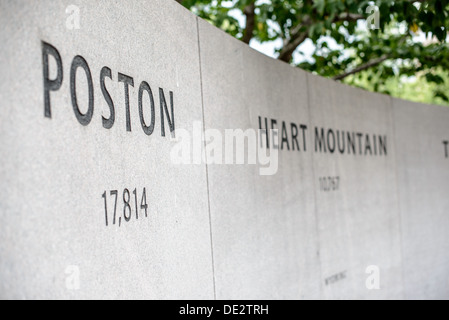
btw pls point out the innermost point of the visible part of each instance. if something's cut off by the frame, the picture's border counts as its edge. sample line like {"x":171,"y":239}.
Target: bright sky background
{"x":269,"y":48}
{"x":307,"y":48}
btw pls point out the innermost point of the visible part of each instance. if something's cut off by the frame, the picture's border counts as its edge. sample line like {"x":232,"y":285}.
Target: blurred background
{"x":398,"y":48}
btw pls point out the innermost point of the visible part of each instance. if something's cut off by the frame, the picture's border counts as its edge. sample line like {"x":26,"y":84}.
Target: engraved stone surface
{"x":423,"y":179}
{"x":54,"y":242}
{"x":98,"y":96}
{"x":264,"y":229}
{"x":356,"y":195}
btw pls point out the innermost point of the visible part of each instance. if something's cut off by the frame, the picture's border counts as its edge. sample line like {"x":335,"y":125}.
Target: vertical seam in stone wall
{"x":398,"y":207}
{"x":317,"y":225}
{"x":206,"y":164}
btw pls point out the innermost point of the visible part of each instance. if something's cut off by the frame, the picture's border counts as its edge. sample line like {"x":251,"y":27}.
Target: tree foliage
{"x":411,"y":37}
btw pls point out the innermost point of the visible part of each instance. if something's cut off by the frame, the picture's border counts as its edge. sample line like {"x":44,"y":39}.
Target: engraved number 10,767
{"x":130,"y":205}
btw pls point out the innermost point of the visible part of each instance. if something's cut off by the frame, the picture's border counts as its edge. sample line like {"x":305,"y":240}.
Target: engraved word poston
{"x":78,"y":62}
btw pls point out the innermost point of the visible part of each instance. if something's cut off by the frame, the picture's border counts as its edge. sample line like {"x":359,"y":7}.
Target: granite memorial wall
{"x":146,"y":154}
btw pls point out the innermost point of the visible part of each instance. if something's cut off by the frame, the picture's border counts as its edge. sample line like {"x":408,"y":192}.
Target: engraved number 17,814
{"x":130,"y":205}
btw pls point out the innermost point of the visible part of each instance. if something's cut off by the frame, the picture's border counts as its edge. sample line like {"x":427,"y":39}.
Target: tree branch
{"x":250,"y":14}
{"x":291,"y":45}
{"x":294,"y":41}
{"x":363,"y":67}
{"x":297,"y":37}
